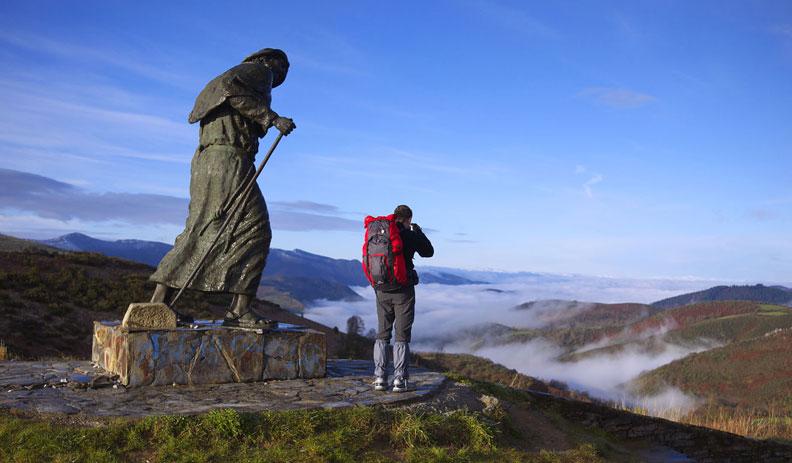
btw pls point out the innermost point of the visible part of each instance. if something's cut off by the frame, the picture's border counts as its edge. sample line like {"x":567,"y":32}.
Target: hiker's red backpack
{"x":383,"y":256}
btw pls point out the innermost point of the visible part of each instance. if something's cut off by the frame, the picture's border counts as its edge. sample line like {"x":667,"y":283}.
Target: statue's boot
{"x":242,"y":314}
{"x":162,"y":293}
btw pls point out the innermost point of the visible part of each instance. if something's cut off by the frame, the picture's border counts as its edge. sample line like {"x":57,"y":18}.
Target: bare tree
{"x":355,"y":325}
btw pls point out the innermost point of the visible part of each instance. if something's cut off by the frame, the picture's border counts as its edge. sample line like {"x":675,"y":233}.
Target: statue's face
{"x":277,"y":66}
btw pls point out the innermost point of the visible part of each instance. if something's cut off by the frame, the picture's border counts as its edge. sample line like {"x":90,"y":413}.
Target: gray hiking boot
{"x":400,"y":384}
{"x":380,"y":383}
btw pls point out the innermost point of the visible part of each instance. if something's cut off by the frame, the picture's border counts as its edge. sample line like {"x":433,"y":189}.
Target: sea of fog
{"x":442,"y":311}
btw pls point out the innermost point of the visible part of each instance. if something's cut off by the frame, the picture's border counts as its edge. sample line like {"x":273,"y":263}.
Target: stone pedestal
{"x":208,"y":353}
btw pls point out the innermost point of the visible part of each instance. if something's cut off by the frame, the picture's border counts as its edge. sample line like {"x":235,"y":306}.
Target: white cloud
{"x":445,"y":309}
{"x":127,"y":61}
{"x":444,"y":313}
{"x":602,"y":375}
{"x":597,"y":178}
{"x":619,"y":98}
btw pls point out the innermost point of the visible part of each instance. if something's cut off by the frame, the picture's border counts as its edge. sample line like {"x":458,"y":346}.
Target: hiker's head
{"x":403,"y":214}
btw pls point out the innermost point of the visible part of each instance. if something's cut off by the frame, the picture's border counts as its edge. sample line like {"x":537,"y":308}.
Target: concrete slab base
{"x":208,"y":353}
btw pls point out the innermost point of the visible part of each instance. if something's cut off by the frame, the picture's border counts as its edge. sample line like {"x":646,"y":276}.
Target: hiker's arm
{"x":421,"y":243}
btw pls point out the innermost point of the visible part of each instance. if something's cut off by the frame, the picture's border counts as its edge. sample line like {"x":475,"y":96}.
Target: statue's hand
{"x":284,"y":124}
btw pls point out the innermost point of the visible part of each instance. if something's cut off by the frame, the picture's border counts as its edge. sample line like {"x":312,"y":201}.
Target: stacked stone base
{"x":208,"y":353}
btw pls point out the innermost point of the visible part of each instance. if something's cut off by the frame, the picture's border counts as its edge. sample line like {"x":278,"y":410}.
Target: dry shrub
{"x":770,"y":423}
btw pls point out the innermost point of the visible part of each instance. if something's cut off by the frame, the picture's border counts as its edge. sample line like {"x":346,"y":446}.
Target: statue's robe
{"x":234,"y":111}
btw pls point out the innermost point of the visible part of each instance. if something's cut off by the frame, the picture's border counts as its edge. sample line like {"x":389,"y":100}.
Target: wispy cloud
{"x":782,"y":30}
{"x":512,"y":18}
{"x":303,"y":221}
{"x":96,"y":55}
{"x":305,"y":61}
{"x":461,"y":241}
{"x":51,"y":199}
{"x":304,"y":206}
{"x":24,"y":193}
{"x":761,"y":214}
{"x":618,"y":98}
{"x":37,"y":100}
{"x":593,"y":180}
{"x":327,"y":51}
{"x":438,"y":163}
{"x":590,"y":183}
{"x":36,"y":116}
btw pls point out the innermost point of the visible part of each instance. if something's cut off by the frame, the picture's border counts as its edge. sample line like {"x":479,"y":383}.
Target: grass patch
{"x":359,"y":434}
{"x":771,"y":422}
{"x":774,"y":308}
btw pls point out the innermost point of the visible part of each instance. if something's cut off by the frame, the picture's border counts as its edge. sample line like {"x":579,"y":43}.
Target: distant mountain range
{"x":145,"y":252}
{"x":757,"y":293}
{"x":302,"y":275}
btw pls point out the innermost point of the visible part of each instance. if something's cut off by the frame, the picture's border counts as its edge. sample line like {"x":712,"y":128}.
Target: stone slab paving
{"x":80,"y":388}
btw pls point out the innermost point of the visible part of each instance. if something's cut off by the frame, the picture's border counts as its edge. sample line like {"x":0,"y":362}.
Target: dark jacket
{"x":414,"y":241}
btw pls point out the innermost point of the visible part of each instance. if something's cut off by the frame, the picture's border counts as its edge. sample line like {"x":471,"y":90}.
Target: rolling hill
{"x":757,"y":293}
{"x":48,"y":301}
{"x":12,"y":244}
{"x":584,"y":330}
{"x":703,"y":325}
{"x":558,"y":313}
{"x":755,"y":373}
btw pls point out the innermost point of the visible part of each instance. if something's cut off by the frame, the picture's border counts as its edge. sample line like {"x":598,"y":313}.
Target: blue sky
{"x":631,"y":139}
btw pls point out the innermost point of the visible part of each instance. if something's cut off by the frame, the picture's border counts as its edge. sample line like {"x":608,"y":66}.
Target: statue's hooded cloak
{"x":234,"y":110}
{"x":251,"y":80}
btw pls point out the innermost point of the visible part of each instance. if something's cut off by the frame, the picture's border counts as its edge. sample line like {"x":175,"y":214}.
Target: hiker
{"x":234,"y":112}
{"x":394,"y":285}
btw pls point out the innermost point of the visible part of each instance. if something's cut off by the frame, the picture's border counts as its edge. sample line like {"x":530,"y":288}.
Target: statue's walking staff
{"x":234,"y":206}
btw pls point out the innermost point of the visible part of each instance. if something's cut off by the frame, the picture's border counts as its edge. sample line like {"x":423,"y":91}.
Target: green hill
{"x":572,"y":324}
{"x":49,"y":300}
{"x":576,"y":314}
{"x":12,"y":244}
{"x":704,"y":324}
{"x":757,"y":293}
{"x":754,"y":373}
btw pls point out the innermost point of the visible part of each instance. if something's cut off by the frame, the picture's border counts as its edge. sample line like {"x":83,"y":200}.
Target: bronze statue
{"x":234,"y":112}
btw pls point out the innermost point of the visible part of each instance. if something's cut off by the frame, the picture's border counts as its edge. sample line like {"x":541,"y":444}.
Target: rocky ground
{"x":84,"y":392}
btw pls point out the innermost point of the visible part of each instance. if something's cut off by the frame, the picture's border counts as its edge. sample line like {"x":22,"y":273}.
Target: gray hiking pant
{"x":394,"y":308}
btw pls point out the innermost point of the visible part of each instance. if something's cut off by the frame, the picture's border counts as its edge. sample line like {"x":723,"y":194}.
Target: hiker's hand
{"x":415,"y":227}
{"x":284,"y":124}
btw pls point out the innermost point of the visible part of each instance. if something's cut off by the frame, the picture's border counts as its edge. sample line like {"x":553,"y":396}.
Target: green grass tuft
{"x":355,"y":435}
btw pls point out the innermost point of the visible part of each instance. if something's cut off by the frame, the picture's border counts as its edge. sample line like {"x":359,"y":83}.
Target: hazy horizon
{"x":494,"y":275}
